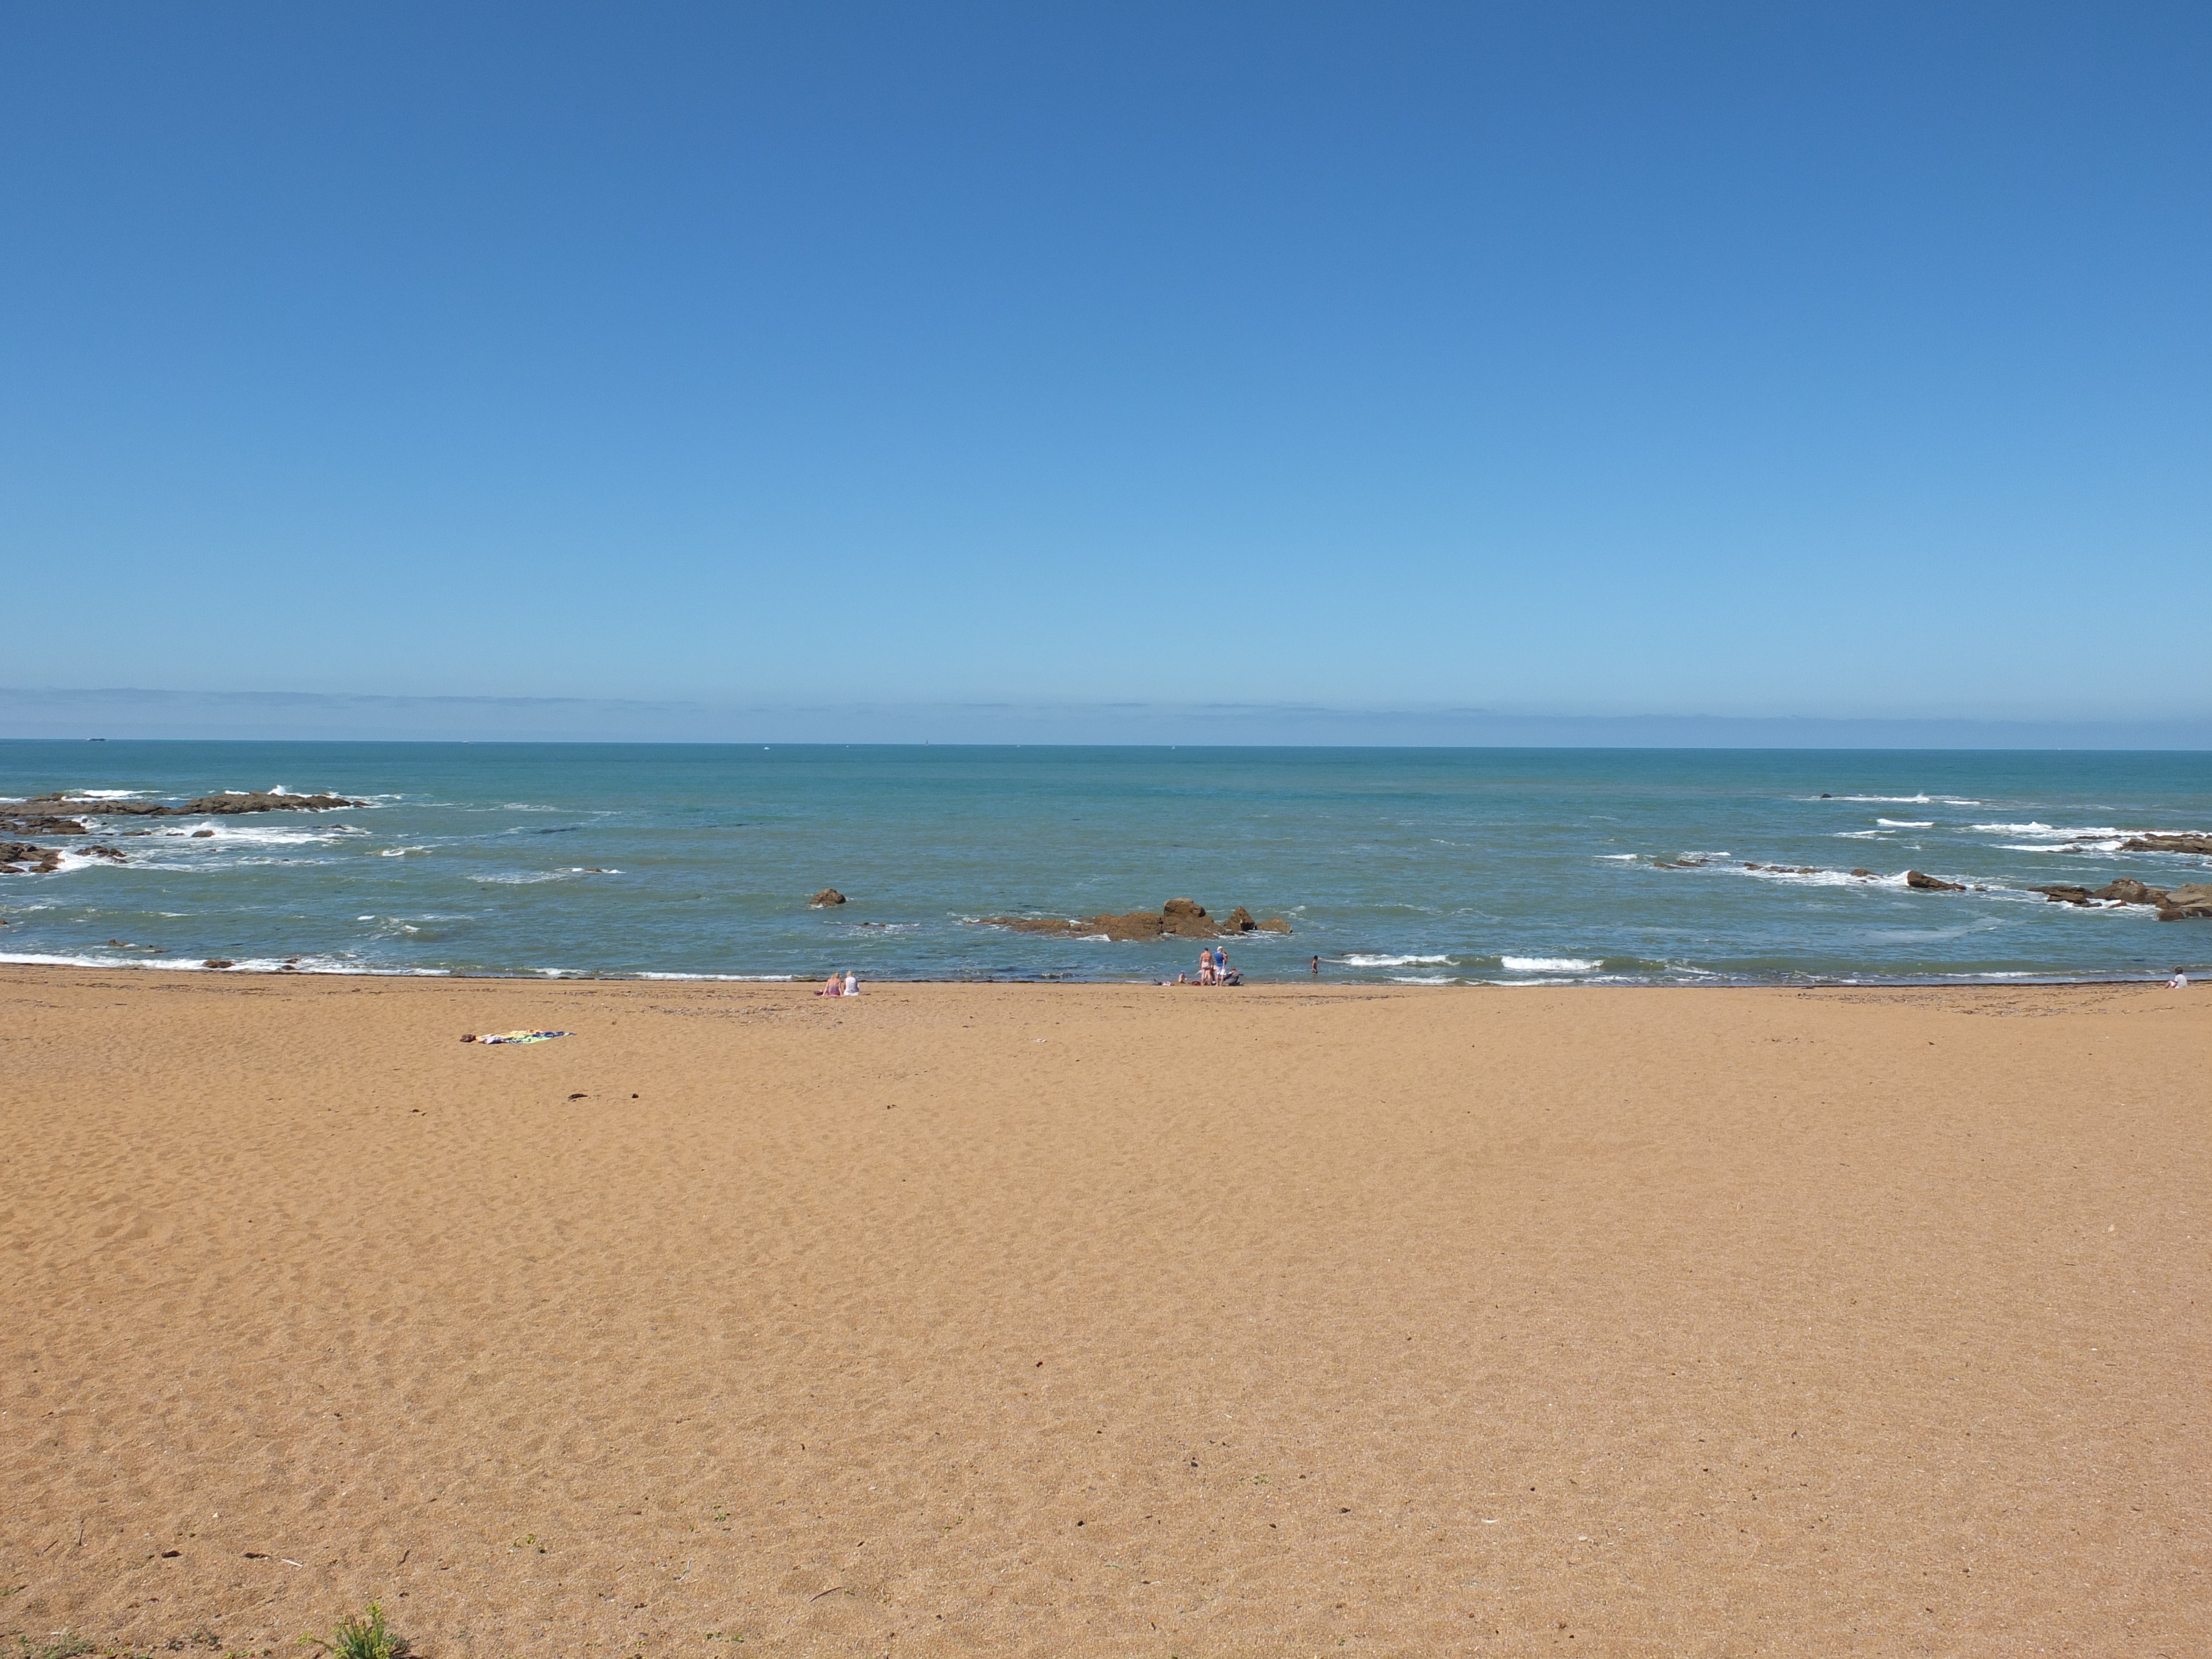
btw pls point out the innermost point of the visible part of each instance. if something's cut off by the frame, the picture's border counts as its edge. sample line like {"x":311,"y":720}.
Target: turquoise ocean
{"x":1504,"y":866}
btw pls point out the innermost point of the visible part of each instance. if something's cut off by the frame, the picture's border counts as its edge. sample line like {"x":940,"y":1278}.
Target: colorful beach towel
{"x":518,"y":1036}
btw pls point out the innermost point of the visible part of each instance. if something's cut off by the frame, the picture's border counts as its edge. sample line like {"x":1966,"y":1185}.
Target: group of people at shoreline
{"x":1213,"y":968}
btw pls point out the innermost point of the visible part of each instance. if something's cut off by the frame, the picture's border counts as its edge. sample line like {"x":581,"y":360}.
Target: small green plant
{"x":364,"y":1637}
{"x":64,"y":1646}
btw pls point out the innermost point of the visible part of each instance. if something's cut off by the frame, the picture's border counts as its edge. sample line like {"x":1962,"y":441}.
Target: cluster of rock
{"x":59,"y":814}
{"x":21,"y":858}
{"x":1179,"y":918}
{"x":2192,"y":902}
{"x":41,"y":823}
{"x":826,"y":897}
{"x":2201,"y":844}
{"x":229,"y":805}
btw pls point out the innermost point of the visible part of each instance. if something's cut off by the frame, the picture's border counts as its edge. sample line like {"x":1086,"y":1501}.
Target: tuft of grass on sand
{"x":64,"y":1646}
{"x":364,"y":1637}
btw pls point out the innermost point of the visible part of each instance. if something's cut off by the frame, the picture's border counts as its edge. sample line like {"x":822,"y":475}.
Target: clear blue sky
{"x":1844,"y":360}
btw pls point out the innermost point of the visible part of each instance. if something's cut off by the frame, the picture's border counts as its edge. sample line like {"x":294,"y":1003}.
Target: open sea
{"x":1504,"y":866}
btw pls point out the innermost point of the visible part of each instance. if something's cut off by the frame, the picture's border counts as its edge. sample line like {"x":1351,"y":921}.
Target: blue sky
{"x":1837,"y":361}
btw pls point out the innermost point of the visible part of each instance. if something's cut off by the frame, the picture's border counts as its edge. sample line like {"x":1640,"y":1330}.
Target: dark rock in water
{"x":112,"y":855}
{"x":1922,"y":884}
{"x":2189,"y":903}
{"x":2063,"y":894}
{"x":1179,"y":918}
{"x":218,"y":961}
{"x":223,"y":805}
{"x":20,"y":858}
{"x":827,"y":896}
{"x":41,"y":824}
{"x":1824,"y":795}
{"x":202,"y":835}
{"x":2128,"y":891}
{"x":1863,"y":874}
{"x":2177,"y":843}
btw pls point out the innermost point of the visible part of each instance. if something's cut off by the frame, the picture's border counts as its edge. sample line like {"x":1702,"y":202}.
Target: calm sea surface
{"x":1429,"y":866}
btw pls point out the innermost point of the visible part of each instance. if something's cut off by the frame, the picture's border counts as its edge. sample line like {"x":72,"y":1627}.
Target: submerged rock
{"x":1922,"y":884}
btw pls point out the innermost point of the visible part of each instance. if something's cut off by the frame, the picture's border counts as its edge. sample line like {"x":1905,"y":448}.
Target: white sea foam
{"x":243,"y":965}
{"x":743,"y":979}
{"x":71,"y":862}
{"x":106,"y":794}
{"x":1548,"y":965}
{"x":1622,"y":858}
{"x":1422,"y":979}
{"x":1903,"y":800}
{"x":1906,"y":823}
{"x":223,"y":833}
{"x":526,"y":877}
{"x":1824,"y":878}
{"x":2033,"y":828}
{"x":1392,"y":961}
{"x":1858,"y":834}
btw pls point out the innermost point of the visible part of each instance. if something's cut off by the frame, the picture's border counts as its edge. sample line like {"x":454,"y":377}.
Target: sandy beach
{"x":1044,"y":1319}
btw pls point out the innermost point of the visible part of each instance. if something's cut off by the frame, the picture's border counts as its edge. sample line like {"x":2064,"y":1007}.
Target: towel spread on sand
{"x":523,"y":1037}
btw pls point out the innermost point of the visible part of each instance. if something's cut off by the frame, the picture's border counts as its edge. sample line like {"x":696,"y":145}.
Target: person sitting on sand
{"x":852,"y":983}
{"x":832,"y":987}
{"x":2179,"y":982}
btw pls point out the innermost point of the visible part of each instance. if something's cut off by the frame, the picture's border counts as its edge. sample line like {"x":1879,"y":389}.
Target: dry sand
{"x":1097,"y":1320}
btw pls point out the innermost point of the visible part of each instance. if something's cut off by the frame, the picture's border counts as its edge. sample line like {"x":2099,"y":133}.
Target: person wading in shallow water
{"x":1316,"y":968}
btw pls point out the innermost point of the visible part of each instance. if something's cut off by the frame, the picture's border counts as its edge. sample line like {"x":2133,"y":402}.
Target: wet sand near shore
{"x":1075,"y":1319}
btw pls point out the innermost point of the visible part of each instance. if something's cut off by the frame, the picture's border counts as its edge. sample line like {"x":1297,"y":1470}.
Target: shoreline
{"x":1703,"y":982}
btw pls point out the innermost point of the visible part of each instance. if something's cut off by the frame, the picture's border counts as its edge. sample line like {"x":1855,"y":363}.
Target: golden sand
{"x":1064,"y":1321}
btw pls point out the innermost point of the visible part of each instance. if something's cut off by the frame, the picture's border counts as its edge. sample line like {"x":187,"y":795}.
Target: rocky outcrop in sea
{"x":2192,"y":902}
{"x":1179,"y":918}
{"x":230,"y":803}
